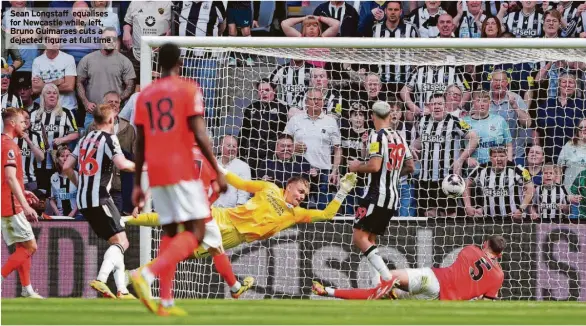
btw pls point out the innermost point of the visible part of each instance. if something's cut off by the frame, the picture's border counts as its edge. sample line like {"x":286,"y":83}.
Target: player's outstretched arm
{"x":234,"y":180}
{"x":347,"y":183}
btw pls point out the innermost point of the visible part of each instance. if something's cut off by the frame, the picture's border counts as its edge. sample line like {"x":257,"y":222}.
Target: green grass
{"x":112,"y":312}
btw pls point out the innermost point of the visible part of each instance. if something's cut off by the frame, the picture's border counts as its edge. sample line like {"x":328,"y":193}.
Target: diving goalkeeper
{"x":268,"y":212}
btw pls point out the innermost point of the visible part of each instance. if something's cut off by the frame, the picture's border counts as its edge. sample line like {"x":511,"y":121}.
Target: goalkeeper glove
{"x":347,"y":183}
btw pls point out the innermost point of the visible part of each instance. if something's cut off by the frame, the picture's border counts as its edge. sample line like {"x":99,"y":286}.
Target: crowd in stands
{"x":313,"y":117}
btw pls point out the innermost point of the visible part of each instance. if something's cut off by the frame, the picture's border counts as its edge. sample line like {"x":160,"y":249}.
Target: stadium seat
{"x":265,"y":19}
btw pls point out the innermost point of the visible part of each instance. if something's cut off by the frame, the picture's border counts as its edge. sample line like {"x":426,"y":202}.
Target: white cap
{"x":381,"y":108}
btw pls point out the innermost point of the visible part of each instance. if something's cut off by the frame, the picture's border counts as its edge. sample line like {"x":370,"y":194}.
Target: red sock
{"x":15,"y":260}
{"x":24,"y":272}
{"x":353,"y":294}
{"x":224,"y":267}
{"x":166,"y":277}
{"x":181,"y":246}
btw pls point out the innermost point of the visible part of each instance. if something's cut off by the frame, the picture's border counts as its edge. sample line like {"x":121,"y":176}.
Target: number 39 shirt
{"x":95,"y":154}
{"x":162,"y":110}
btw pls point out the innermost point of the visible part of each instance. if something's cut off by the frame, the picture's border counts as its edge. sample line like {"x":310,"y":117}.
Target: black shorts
{"x":239,"y":17}
{"x":371,"y":218}
{"x":104,"y":220}
{"x":431,"y":196}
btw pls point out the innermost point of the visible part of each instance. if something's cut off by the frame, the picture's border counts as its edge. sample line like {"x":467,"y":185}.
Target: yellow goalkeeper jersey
{"x":267,"y":212}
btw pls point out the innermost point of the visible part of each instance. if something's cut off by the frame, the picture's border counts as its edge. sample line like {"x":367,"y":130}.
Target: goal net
{"x":526,"y":97}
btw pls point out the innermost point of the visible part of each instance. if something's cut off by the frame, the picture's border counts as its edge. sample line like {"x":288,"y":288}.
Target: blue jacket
{"x":559,"y":123}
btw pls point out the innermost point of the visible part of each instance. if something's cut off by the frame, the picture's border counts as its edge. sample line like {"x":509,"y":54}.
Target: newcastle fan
{"x":439,"y":151}
{"x":292,"y":80}
{"x":526,"y":22}
{"x":552,"y":201}
{"x":94,"y":157}
{"x":32,"y":150}
{"x":502,"y":190}
{"x":389,"y":159}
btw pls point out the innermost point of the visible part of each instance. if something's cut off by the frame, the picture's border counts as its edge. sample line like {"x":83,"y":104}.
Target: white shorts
{"x":423,"y":285}
{"x":181,"y":202}
{"x":212,"y":237}
{"x":16,"y":229}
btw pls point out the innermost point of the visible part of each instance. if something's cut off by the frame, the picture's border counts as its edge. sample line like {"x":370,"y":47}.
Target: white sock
{"x":167,"y":303}
{"x":119,"y":275}
{"x":374,"y":275}
{"x":378,"y":263}
{"x":330,"y":291}
{"x":29,"y":289}
{"x":111,"y":258}
{"x":236,"y":287}
{"x":148,"y":275}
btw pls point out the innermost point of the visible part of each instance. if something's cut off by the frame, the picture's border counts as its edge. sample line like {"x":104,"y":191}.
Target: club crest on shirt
{"x":11,"y":155}
{"x":374,"y":148}
{"x":464,"y":125}
{"x":161,"y":11}
{"x":492,"y":128}
{"x":526,"y":175}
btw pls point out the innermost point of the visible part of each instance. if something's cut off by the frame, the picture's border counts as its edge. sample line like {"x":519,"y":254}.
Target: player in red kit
{"x":16,"y":202}
{"x":169,"y":113}
{"x":475,"y":274}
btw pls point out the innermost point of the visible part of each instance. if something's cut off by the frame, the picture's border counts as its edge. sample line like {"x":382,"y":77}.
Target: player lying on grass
{"x":475,"y":274}
{"x":268,"y":212}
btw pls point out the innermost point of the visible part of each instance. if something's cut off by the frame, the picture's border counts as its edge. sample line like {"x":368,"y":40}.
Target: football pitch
{"x":113,"y":312}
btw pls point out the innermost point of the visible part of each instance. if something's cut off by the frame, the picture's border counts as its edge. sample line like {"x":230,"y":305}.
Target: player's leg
{"x":17,"y":230}
{"x":402,"y":283}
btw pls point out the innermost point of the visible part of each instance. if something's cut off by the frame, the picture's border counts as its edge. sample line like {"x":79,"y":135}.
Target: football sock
{"x":224,"y":267}
{"x":112,"y":258}
{"x":181,"y":246}
{"x":119,"y":275}
{"x":374,"y":276}
{"x":378,"y":263}
{"x":166,"y":277}
{"x":353,"y":294}
{"x":18,"y":257}
{"x":29,"y":289}
{"x":24,"y":272}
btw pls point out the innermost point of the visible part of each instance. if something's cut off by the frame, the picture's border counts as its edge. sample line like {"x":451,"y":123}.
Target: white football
{"x":453,"y":186}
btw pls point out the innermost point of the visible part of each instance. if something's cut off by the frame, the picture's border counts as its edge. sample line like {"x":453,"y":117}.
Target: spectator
{"x":291,"y":80}
{"x":262,"y":122}
{"x":552,"y":27}
{"x":238,"y":16}
{"x":354,"y":143}
{"x":342,"y":12}
{"x":63,"y":192}
{"x":491,"y":28}
{"x":57,"y":125}
{"x":128,"y":111}
{"x":58,"y":68}
{"x":491,"y":128}
{"x":579,"y":190}
{"x":372,"y":93}
{"x":284,"y":164}
{"x":108,"y":18}
{"x":573,"y":21}
{"x":233,"y":197}
{"x":316,"y":134}
{"x":573,"y":156}
{"x":371,"y":12}
{"x":445,"y":26}
{"x":76,"y":44}
{"x":558,"y":118}
{"x":102,"y":71}
{"x":8,"y":99}
{"x":526,"y":22}
{"x":511,"y":107}
{"x":535,"y":160}
{"x":454,"y":104}
{"x":547,"y":78}
{"x":425,"y":18}
{"x":332,"y":99}
{"x":144,"y":18}
{"x":10,"y":51}
{"x":311,"y":26}
{"x":197,"y":64}
{"x":469,"y":23}
{"x":24,"y":90}
{"x":32,"y":150}
{"x":126,"y":137}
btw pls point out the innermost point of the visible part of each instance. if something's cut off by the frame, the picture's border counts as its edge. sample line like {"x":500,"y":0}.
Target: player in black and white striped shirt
{"x":390,"y":158}
{"x":32,"y":149}
{"x":527,"y":22}
{"x":292,"y":80}
{"x":438,"y":148}
{"x":95,"y":156}
{"x":428,"y":80}
{"x":502,"y":189}
{"x":551,"y":201}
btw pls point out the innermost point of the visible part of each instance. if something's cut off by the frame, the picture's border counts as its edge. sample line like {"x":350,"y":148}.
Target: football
{"x":453,"y":186}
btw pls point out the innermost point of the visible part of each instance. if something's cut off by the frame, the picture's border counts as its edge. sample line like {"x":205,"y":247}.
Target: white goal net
{"x":525,"y":96}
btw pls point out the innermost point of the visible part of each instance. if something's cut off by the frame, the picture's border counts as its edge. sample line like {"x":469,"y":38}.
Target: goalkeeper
{"x":268,"y":212}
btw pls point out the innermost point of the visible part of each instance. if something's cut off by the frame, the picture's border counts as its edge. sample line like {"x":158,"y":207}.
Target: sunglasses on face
{"x":6,"y":76}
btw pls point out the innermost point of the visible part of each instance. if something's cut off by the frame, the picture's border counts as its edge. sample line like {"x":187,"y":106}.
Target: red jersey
{"x":472,"y":274}
{"x":10,"y":157}
{"x":163,"y":109}
{"x":207,"y":174}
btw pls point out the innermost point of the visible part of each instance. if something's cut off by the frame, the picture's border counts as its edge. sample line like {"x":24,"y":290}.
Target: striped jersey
{"x":570,"y":15}
{"x":394,"y":73}
{"x":10,"y":100}
{"x":291,"y":81}
{"x":525,"y":26}
{"x":500,"y":190}
{"x":200,"y":18}
{"x":469,"y":27}
{"x":440,"y":145}
{"x":333,"y":102}
{"x":95,"y":154}
{"x":427,"y":80}
{"x":548,"y":201}
{"x":425,"y":23}
{"x":52,"y":124}
{"x":28,"y":158}
{"x":382,"y":188}
{"x":64,"y":192}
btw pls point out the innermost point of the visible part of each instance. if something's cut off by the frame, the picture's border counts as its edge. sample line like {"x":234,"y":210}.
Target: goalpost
{"x":543,"y":261}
